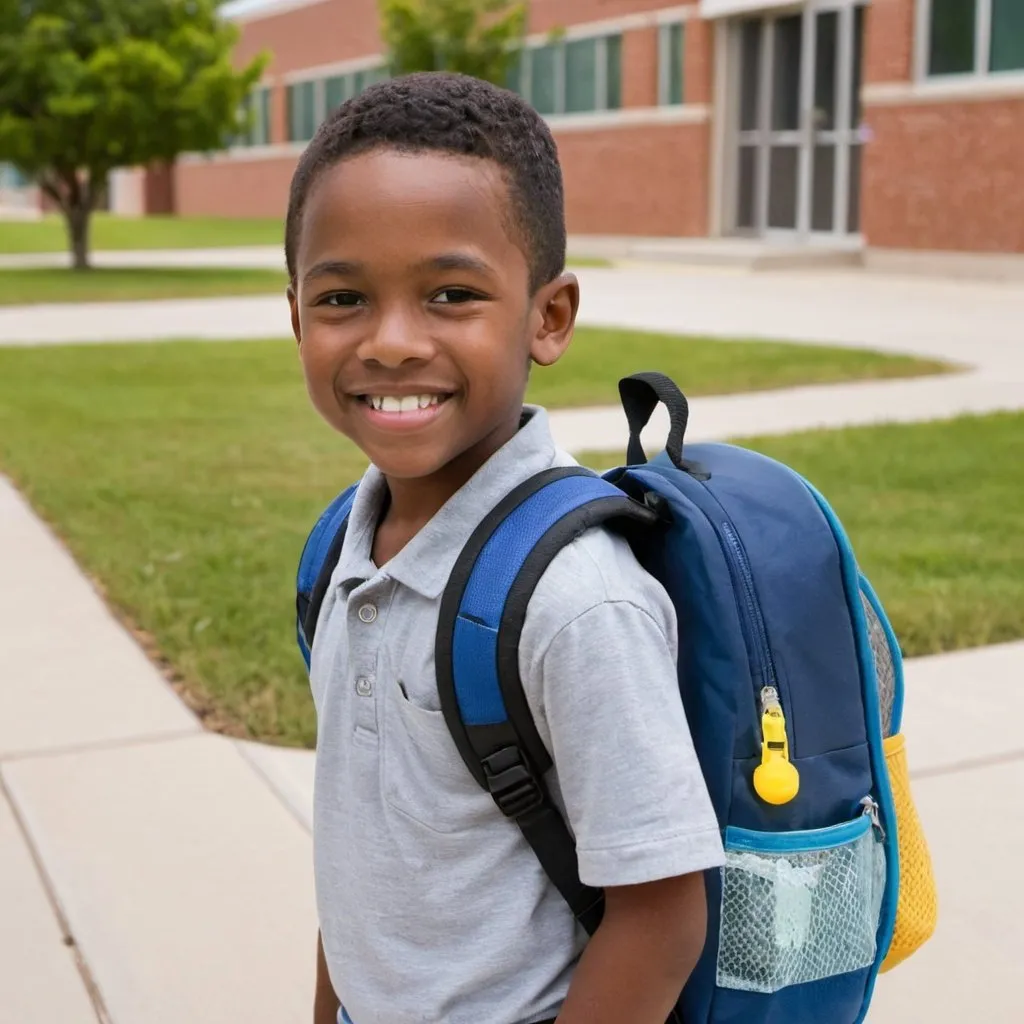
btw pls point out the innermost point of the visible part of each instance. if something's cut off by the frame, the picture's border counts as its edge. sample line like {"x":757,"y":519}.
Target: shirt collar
{"x":426,"y":562}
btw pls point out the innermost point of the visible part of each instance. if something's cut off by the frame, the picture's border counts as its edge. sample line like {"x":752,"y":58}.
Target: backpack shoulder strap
{"x":319,"y":557}
{"x":481,"y":619}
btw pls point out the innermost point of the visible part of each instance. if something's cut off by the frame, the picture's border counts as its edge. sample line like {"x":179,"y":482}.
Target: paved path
{"x":270,"y":257}
{"x":155,"y":873}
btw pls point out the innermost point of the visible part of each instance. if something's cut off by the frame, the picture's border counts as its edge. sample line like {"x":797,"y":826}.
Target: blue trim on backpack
{"x":475,"y":640}
{"x":851,"y":582}
{"x":809,"y":840}
{"x":895,"y":651}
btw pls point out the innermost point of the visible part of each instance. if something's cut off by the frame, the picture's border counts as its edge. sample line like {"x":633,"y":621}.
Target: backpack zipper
{"x":755,"y":621}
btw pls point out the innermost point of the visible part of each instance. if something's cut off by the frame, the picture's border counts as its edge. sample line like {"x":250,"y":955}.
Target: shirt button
{"x":364,"y":687}
{"x":368,"y":613}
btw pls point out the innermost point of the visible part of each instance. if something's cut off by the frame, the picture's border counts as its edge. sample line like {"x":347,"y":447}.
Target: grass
{"x":935,"y":512}
{"x":109,"y":232}
{"x":57,"y":284}
{"x":184,"y":477}
{"x":588,"y":374}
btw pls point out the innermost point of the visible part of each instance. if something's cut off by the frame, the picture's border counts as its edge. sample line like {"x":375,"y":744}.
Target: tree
{"x":475,"y":37}
{"x":87,"y":86}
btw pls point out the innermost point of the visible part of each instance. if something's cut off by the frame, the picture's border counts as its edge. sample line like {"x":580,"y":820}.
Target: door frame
{"x":843,"y":136}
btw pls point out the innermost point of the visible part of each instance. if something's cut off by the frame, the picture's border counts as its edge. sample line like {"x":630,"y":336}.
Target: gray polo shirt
{"x":432,"y":906}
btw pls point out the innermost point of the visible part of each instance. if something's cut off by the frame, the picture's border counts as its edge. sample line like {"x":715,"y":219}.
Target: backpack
{"x":791,"y":678}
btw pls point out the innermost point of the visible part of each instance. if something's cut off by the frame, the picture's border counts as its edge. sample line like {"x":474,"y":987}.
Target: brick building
{"x":898,"y":124}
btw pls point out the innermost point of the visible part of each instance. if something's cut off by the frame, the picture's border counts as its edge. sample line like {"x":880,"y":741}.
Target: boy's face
{"x":412,"y":308}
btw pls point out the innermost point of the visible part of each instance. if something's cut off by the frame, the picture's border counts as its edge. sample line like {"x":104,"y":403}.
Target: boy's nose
{"x":398,"y":338}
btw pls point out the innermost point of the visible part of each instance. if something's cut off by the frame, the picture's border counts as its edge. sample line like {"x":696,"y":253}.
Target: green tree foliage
{"x":475,"y":37}
{"x":87,"y":86}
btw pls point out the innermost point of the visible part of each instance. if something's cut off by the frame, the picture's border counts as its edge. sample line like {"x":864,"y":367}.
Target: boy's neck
{"x":411,"y":504}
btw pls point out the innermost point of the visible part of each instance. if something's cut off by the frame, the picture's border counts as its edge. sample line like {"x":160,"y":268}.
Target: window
{"x":337,"y":89}
{"x":965,"y":37}
{"x":303,"y":116}
{"x":256,"y":106}
{"x":1007,"y":50}
{"x":311,"y":101}
{"x":572,"y":77}
{"x":670,"y":64}
{"x":543,"y":79}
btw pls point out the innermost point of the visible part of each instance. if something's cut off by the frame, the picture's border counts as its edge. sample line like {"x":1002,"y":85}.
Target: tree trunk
{"x":77,"y":217}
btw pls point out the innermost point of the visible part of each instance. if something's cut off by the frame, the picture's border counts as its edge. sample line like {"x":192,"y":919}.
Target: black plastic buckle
{"x":510,"y":781}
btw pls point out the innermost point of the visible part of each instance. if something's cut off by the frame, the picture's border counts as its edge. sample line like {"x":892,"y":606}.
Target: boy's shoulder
{"x":587,"y":585}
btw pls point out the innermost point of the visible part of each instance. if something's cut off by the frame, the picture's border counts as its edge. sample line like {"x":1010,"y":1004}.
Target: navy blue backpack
{"x":791,"y":681}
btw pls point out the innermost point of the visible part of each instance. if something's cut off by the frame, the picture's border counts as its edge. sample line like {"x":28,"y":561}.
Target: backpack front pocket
{"x":799,"y":906}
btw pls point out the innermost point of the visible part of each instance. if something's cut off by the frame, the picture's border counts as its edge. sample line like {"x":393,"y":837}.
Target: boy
{"x":426,"y":246}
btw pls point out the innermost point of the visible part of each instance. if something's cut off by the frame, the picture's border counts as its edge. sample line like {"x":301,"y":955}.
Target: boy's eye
{"x":344,"y":299}
{"x":450,"y":296}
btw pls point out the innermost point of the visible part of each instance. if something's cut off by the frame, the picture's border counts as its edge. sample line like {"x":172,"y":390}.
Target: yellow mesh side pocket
{"x":917,"y":909}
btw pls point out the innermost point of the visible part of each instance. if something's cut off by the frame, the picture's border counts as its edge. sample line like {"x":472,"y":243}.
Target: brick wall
{"x":889,"y":41}
{"x":947,"y":176}
{"x":653,"y":180}
{"x":321,"y":33}
{"x":234,"y":188}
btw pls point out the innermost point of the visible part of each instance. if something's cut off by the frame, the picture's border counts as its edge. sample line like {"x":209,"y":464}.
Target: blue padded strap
{"x":319,"y":540}
{"x":477,"y":657}
{"x":475,"y":643}
{"x":310,"y":584}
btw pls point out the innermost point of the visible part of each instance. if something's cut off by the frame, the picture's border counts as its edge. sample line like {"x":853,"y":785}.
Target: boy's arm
{"x":641,"y":956}
{"x":325,"y":1003}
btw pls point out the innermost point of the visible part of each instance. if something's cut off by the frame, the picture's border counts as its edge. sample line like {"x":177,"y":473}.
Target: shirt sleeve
{"x":625,"y":764}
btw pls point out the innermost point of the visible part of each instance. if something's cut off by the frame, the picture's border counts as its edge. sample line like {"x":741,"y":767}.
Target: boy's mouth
{"x":397,"y":405}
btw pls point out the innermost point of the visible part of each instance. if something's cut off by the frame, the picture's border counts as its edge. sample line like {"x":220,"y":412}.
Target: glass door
{"x":797,"y":87}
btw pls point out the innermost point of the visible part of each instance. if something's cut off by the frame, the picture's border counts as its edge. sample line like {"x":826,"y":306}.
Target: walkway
{"x":152,"y":873}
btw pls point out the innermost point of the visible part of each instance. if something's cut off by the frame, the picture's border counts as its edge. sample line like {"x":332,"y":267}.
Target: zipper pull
{"x":776,"y":780}
{"x":872,"y":811}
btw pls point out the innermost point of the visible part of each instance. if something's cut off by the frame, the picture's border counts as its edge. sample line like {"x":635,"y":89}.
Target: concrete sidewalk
{"x":151,"y":873}
{"x":269,"y":257}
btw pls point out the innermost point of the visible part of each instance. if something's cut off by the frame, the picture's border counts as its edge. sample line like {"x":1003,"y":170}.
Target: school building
{"x":892,"y":124}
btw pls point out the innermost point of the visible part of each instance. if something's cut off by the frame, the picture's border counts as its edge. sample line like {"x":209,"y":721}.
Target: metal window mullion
{"x":844,"y":129}
{"x":922,"y":35}
{"x":807,"y":132}
{"x":319,"y":103}
{"x":982,"y":36}
{"x":601,"y":74}
{"x":560,"y":60}
{"x":763,"y":162}
{"x":663,"y":69}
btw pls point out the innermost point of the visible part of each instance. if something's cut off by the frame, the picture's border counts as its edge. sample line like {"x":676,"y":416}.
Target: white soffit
{"x":720,"y":8}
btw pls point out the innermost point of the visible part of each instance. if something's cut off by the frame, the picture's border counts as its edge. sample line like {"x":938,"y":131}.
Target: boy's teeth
{"x":407,"y":403}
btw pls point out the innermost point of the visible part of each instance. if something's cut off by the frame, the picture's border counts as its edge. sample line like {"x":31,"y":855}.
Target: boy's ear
{"x":293,"y":305}
{"x":555,"y":308}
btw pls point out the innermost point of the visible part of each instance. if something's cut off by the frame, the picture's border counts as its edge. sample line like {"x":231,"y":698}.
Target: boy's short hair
{"x":449,"y":113}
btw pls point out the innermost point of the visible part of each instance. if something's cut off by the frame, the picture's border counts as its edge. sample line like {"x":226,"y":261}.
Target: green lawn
{"x":109,"y":232}
{"x":57,"y":284}
{"x":184,"y":477}
{"x":935,"y":512}
{"x":588,"y":374}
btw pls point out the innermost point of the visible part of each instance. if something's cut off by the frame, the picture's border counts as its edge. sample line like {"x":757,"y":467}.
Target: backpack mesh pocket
{"x":885,"y":667}
{"x":800,"y":906}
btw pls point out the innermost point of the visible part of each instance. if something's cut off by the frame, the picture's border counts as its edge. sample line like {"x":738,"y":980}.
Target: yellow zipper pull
{"x":776,"y":780}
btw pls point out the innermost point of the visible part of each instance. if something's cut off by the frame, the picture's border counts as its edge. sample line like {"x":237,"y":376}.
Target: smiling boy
{"x":426,"y":247}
